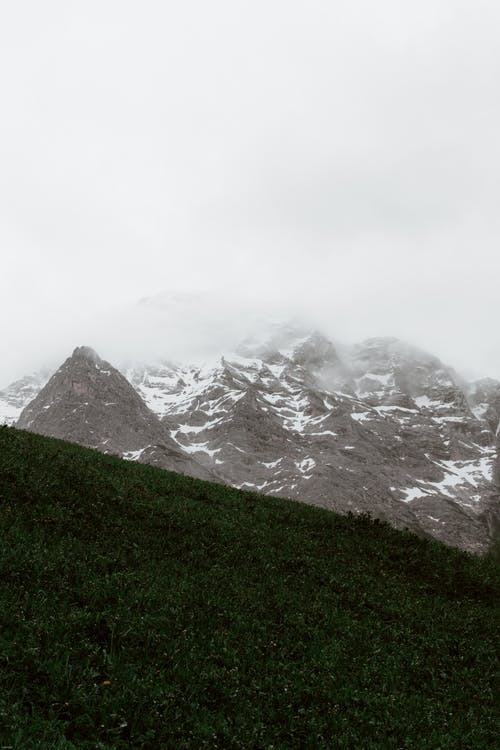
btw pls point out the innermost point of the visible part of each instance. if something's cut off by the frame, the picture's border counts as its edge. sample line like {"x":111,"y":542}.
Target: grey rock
{"x":484,"y":399}
{"x":87,"y":401}
{"x":387,"y":430}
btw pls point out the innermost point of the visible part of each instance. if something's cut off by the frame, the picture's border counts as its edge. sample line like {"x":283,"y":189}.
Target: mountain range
{"x":380,"y":427}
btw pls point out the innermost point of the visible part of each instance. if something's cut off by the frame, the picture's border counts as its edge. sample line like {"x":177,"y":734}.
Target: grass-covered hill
{"x":143,"y":609}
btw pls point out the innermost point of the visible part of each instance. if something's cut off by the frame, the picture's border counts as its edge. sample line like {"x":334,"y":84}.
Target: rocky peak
{"x":88,"y":401}
{"x":390,"y":355}
{"x":390,"y":372}
{"x":86,"y":352}
{"x":316,"y":351}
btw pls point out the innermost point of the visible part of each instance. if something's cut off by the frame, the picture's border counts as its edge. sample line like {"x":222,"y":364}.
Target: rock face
{"x":387,"y":429}
{"x":382,"y":428}
{"x":491,"y":514}
{"x":87,"y":401}
{"x":496,"y":476}
{"x":484,"y":397}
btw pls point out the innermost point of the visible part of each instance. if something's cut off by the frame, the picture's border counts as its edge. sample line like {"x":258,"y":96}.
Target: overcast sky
{"x":340,"y":156}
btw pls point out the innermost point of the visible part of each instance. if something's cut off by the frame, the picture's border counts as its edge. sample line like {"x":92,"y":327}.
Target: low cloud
{"x":337,"y":161}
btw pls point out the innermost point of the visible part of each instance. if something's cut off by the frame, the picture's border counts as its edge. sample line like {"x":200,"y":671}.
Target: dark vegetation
{"x":142,"y":609}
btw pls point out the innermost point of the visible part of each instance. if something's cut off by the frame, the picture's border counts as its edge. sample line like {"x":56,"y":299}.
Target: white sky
{"x":339,"y":156}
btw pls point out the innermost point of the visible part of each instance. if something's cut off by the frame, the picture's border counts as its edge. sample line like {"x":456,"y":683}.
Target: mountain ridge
{"x":387,"y":429}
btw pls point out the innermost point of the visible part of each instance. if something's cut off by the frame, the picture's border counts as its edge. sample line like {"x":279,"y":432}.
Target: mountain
{"x":379,"y":427}
{"x":385,"y":429}
{"x":17,"y":395}
{"x":87,"y":401}
{"x":484,"y":398}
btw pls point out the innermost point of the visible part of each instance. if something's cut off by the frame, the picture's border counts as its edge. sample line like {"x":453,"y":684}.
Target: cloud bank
{"x":338,"y":158}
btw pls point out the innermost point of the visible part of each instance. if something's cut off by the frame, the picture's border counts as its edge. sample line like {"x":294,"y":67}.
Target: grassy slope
{"x":226,"y":619}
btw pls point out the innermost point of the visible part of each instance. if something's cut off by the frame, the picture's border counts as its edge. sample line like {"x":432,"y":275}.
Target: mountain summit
{"x":88,"y":401}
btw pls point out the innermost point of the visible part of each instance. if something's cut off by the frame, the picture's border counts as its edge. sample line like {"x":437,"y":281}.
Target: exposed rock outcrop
{"x":87,"y":401}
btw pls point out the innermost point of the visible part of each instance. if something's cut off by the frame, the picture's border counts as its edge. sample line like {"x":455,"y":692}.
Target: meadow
{"x":144,"y":609}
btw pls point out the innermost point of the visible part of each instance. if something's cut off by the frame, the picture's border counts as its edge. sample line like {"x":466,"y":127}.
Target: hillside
{"x":144,"y":609}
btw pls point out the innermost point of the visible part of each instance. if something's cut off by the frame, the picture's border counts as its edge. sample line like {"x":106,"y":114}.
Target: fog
{"x":335,"y":160}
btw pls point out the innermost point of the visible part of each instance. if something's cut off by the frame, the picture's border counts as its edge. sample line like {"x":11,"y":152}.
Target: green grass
{"x":224,"y":619}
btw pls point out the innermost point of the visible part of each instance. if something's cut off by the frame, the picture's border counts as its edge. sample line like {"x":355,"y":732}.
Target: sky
{"x":337,"y":158}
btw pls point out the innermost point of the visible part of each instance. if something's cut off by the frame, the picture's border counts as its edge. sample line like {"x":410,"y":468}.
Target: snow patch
{"x":272,"y":464}
{"x":412,"y":493}
{"x":305,"y":465}
{"x":426,"y":402}
{"x":134,"y":455}
{"x":360,"y":416}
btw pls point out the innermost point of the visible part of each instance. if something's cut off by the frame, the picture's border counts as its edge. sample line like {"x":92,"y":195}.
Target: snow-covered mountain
{"x":17,"y":395}
{"x":381,"y":427}
{"x":387,"y":429}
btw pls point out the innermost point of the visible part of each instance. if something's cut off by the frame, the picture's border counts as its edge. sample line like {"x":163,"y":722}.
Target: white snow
{"x":412,"y":493}
{"x":181,"y":390}
{"x":134,"y":455}
{"x":305,"y":465}
{"x":473,"y":473}
{"x":382,"y":409}
{"x":292,"y":413}
{"x":345,"y":395}
{"x":199,"y":448}
{"x":253,"y":486}
{"x":480,"y":410}
{"x":326,"y":432}
{"x":186,"y":429}
{"x":272,"y":464}
{"x":273,"y":398}
{"x":360,"y":416}
{"x":426,"y":402}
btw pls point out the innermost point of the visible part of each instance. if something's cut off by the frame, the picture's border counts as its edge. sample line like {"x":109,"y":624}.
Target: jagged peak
{"x":315,"y":347}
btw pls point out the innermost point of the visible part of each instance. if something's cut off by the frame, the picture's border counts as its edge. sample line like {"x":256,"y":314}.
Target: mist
{"x":332,"y":161}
